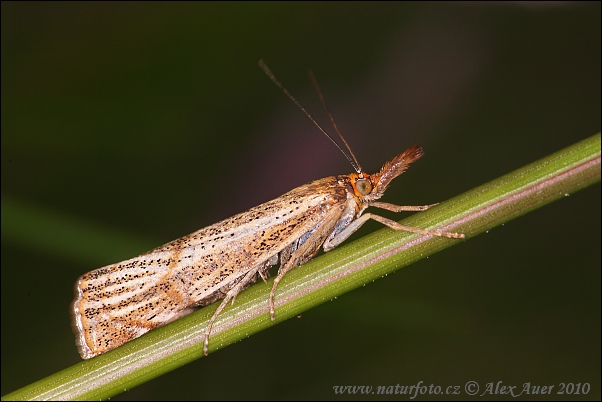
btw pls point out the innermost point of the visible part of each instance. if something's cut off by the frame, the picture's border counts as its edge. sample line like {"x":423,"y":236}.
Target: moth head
{"x":371,"y":187}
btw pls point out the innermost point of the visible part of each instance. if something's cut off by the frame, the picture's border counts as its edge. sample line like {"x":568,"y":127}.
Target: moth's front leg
{"x":400,"y":208}
{"x":344,"y":233}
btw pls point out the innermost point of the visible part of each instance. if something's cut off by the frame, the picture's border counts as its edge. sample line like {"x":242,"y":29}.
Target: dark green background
{"x":139,"y":123}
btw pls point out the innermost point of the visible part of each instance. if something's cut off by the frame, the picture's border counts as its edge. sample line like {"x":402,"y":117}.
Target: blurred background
{"x":125,"y":126}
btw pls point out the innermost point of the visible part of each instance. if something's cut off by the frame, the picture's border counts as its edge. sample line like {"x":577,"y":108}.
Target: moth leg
{"x":305,"y":252}
{"x":264,"y":270}
{"x":246,"y":280}
{"x":355,"y":225}
{"x":397,"y":226}
{"x":294,"y":261}
{"x":264,"y":275}
{"x":400,"y":208}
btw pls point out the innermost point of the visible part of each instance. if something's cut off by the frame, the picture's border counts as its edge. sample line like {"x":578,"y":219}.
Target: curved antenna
{"x":319,"y":91}
{"x":353,"y":161}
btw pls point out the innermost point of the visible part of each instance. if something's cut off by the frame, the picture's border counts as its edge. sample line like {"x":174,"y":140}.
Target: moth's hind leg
{"x":249,"y":278}
{"x":264,"y":270}
{"x":303,"y":252}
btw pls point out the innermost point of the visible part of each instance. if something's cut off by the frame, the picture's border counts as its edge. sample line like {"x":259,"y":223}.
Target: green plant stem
{"x":326,"y":277}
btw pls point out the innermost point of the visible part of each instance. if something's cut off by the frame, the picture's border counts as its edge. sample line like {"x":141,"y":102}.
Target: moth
{"x":120,"y":302}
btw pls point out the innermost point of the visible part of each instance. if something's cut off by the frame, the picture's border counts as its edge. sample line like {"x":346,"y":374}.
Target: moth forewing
{"x":122,"y":301}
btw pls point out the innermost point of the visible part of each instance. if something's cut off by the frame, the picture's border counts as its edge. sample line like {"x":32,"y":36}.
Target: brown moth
{"x":122,"y":301}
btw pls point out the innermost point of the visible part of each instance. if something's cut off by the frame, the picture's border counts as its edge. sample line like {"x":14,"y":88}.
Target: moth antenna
{"x":319,"y":91}
{"x":271,"y":76}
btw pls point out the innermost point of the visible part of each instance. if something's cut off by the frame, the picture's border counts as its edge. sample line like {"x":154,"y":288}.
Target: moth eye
{"x":364,"y":186}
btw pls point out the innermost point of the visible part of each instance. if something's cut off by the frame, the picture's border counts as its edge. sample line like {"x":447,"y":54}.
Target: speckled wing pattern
{"x":120,"y":302}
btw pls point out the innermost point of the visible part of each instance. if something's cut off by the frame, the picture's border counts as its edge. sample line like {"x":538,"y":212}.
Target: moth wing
{"x":122,"y":301}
